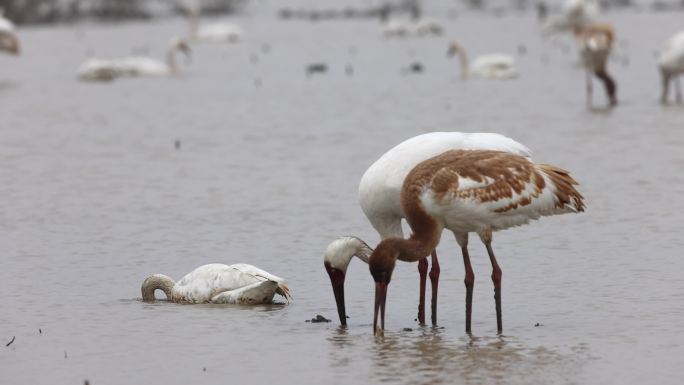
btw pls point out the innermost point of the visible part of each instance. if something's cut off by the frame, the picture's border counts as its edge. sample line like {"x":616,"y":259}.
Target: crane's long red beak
{"x":337,"y":282}
{"x":380,"y":297}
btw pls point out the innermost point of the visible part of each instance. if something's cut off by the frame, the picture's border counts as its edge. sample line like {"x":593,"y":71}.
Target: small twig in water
{"x":10,"y":343}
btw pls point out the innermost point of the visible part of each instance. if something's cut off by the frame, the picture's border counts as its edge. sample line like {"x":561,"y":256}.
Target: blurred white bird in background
{"x":215,"y":32}
{"x":108,"y":69}
{"x":8,"y":37}
{"x":671,"y":65}
{"x":490,"y":66}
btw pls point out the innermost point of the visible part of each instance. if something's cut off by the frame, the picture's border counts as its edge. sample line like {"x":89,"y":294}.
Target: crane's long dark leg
{"x":496,"y":278}
{"x":678,"y":88}
{"x":666,"y":86}
{"x":469,"y":284}
{"x":589,"y":90}
{"x":434,"y":280}
{"x":469,"y":280}
{"x":422,"y":270}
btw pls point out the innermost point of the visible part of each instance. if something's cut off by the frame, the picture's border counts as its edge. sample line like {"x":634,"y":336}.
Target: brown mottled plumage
{"x":471,"y":191}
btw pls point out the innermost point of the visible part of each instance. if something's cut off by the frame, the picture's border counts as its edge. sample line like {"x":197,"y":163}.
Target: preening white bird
{"x":490,"y":66}
{"x":8,"y":36}
{"x":219,"y":283}
{"x":595,"y":45}
{"x":575,"y":14}
{"x":216,"y":32}
{"x":108,"y":69}
{"x":466,"y":191}
{"x":379,"y":197}
{"x":671,"y":65}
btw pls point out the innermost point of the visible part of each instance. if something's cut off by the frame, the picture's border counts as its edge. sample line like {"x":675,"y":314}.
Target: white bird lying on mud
{"x":108,"y":69}
{"x":490,"y":66}
{"x":218,"y":283}
{"x":8,"y":37}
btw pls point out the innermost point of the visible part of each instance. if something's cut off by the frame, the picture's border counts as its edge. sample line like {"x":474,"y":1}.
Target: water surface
{"x":94,"y":197}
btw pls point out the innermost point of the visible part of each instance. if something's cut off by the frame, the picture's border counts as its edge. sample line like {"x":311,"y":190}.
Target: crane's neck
{"x":424,"y":239}
{"x":154,"y":282}
{"x":341,"y":251}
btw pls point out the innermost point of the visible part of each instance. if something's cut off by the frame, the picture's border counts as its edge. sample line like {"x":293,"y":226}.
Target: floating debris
{"x":538,"y":324}
{"x":416,"y":67}
{"x":14,"y":337}
{"x":65,"y":355}
{"x":349,"y":70}
{"x":40,"y":331}
{"x":407,"y":329}
{"x":316,"y":68}
{"x":177,"y":144}
{"x":318,"y":318}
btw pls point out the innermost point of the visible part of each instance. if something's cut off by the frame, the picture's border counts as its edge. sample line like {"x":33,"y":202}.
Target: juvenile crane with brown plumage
{"x":465,"y":191}
{"x":595,"y":44}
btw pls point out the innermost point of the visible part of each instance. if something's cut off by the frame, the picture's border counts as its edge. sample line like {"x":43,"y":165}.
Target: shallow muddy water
{"x":94,"y":197}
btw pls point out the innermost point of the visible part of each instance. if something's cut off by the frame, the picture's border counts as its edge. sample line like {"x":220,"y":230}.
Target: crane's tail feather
{"x":284,"y":291}
{"x":567,"y":196}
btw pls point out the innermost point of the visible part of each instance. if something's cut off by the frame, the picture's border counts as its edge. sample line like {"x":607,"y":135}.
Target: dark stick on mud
{"x":10,"y":343}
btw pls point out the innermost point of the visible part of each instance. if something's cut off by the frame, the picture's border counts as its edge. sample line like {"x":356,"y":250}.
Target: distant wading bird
{"x":491,"y":66}
{"x":218,"y":283}
{"x":596,"y":42}
{"x":465,"y":191}
{"x":108,"y":69}
{"x":574,"y":14}
{"x":379,"y":197}
{"x":8,"y":37}
{"x":216,"y":32}
{"x":421,"y":28}
{"x":671,"y":64}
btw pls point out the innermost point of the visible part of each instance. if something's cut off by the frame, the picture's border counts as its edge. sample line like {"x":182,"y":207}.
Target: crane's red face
{"x":337,"y":282}
{"x":381,"y":265}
